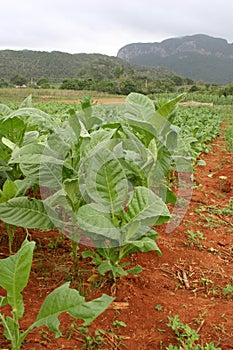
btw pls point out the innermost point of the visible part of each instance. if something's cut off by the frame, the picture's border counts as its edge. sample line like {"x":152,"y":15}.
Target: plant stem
{"x":10,"y":233}
{"x":75,"y":258}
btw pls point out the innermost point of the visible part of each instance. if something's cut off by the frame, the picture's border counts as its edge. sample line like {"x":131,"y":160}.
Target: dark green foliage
{"x":19,"y":80}
{"x":58,"y":66}
{"x":199,"y":57}
{"x":3,"y":83}
{"x":43,"y":83}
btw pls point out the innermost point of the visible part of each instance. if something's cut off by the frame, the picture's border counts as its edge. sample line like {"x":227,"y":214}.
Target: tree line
{"x":123,"y":85}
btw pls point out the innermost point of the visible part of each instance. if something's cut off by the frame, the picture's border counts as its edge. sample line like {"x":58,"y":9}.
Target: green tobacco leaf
{"x":9,"y":144}
{"x":77,"y":125}
{"x":71,"y":187}
{"x":27,"y":102}
{"x":22,"y":186}
{"x":3,"y":165}
{"x":29,"y":154}
{"x":59,"y":143}
{"x":32,"y":153}
{"x":111,"y":185}
{"x":41,"y":164}
{"x":26,"y":112}
{"x":142,"y":126}
{"x":25,"y":212}
{"x":141,"y":113}
{"x":58,"y":198}
{"x":88,"y":254}
{"x":64,"y":299}
{"x":13,"y":129}
{"x":9,"y":325}
{"x":50,"y":173}
{"x":33,"y":117}
{"x":4,"y":110}
{"x":30,"y":137}
{"x":171,"y":140}
{"x":138,"y":158}
{"x":140,"y":105}
{"x":9,"y":191}
{"x":92,"y":117}
{"x":14,"y":274}
{"x":117,"y":271}
{"x":135,"y":230}
{"x":145,"y":244}
{"x":96,"y":137}
{"x":83,"y":132}
{"x":104,"y":179}
{"x":153,"y":149}
{"x":163,"y":165}
{"x":91,"y":220}
{"x":74,"y":123}
{"x":166,"y":109}
{"x":135,"y":270}
{"x":167,"y":195}
{"x":104,"y":267}
{"x":146,"y":208}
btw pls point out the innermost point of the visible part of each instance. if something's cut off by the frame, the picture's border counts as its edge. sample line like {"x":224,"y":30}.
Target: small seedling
{"x":187,"y":337}
{"x":102,"y":339}
{"x":227,"y":211}
{"x":208,"y":285}
{"x":53,"y":244}
{"x":96,"y":341}
{"x":158,"y":307}
{"x":199,"y":320}
{"x":195,"y":238}
{"x":228,"y":290}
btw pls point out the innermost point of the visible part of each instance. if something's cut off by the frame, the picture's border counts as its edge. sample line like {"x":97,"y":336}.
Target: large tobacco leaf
{"x":27,"y":212}
{"x":14,"y":274}
{"x":64,"y":299}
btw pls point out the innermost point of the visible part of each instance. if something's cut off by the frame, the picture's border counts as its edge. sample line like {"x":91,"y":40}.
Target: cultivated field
{"x":116,"y":226}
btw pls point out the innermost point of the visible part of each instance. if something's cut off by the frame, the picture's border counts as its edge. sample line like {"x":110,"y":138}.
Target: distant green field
{"x":47,"y":95}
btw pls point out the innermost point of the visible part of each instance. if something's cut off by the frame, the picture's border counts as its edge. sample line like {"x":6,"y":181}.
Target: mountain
{"x":57,"y":66}
{"x":198,"y":57}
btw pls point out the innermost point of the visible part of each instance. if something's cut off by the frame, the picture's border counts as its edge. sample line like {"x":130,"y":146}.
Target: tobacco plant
{"x":103,"y":176}
{"x":14,"y":274}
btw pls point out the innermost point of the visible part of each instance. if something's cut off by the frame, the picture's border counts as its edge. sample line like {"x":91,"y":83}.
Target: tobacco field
{"x":116,"y":227}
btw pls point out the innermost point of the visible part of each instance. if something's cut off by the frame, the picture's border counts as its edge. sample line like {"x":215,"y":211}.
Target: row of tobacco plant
{"x":103,"y":174}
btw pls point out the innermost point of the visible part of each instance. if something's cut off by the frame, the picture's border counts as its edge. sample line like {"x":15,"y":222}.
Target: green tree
{"x":68,"y":84}
{"x":19,"y":80}
{"x":178,"y":80}
{"x":188,"y":81}
{"x":106,"y":85}
{"x":118,"y":72}
{"x":3,"y":83}
{"x":194,"y":88}
{"x":127,"y":86}
{"x":43,"y":83}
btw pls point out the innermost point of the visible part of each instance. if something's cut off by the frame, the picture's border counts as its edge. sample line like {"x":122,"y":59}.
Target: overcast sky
{"x":104,"y":26}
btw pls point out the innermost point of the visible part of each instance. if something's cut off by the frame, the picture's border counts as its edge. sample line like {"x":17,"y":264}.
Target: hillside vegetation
{"x":193,"y":63}
{"x":198,"y":57}
{"x":80,"y":71}
{"x":54,"y":66}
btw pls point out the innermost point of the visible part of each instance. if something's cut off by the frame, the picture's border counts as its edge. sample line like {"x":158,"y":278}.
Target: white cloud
{"x":104,"y":26}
